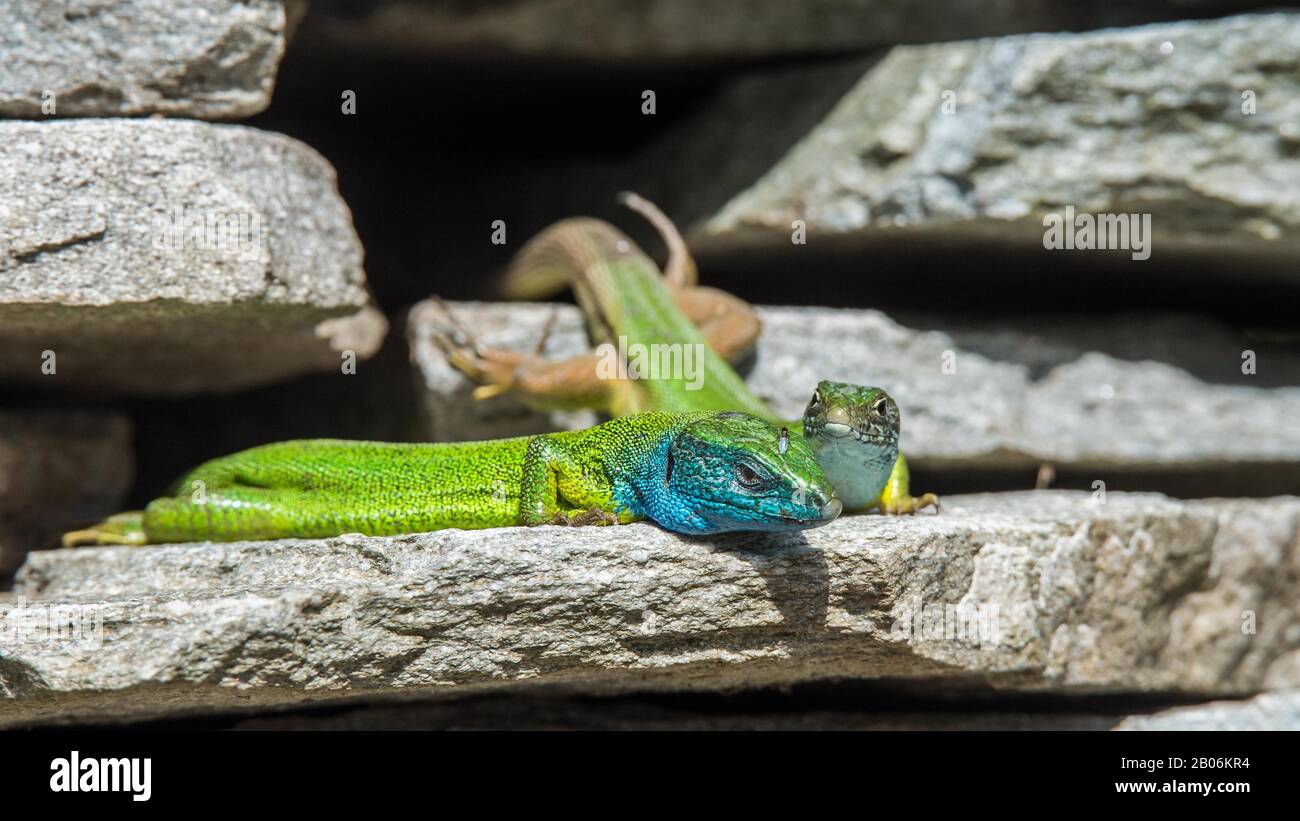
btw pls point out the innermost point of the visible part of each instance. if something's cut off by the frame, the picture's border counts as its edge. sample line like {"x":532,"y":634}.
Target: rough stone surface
{"x":1205,"y":346}
{"x":1147,"y":120}
{"x":1268,"y":711}
{"x":104,"y":58}
{"x":1092,"y":412}
{"x":170,"y":257}
{"x":656,"y":31}
{"x":58,"y":470}
{"x":1030,"y":592}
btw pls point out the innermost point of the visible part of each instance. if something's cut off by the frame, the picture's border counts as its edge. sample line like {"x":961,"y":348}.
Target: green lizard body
{"x":694,"y":473}
{"x":628,"y":302}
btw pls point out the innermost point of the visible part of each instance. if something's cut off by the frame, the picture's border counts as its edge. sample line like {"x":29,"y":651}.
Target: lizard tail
{"x":121,"y":528}
{"x":560,"y":255}
{"x":680,"y":269}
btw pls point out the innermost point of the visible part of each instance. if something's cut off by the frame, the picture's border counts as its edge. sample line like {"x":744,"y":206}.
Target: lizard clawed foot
{"x":583,"y":518}
{"x":907,"y":505}
{"x":493,"y":370}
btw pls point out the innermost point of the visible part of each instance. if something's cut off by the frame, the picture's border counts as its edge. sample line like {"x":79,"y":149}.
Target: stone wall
{"x":880,"y":179}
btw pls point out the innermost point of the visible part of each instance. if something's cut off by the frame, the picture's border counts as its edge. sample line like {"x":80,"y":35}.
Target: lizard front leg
{"x":557,"y":488}
{"x":897,"y":499}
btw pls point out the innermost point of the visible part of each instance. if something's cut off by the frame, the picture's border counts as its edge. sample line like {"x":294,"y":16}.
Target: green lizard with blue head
{"x":693,"y":473}
{"x":852,"y":429}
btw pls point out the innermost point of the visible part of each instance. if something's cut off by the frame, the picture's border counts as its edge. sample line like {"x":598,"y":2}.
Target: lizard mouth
{"x":826,"y":513}
{"x":838,"y":430}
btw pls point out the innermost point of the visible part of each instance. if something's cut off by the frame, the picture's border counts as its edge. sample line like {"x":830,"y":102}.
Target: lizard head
{"x":733,"y":471}
{"x":853,"y":430}
{"x":838,"y":409}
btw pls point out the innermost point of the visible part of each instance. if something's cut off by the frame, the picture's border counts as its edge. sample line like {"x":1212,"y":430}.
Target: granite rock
{"x":1191,"y":123}
{"x":105,"y":58}
{"x":1045,"y":592}
{"x":173,"y":257}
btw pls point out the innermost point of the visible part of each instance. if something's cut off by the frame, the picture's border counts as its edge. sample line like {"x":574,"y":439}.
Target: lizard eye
{"x":880,"y":406}
{"x":817,"y":397}
{"x":748,"y":477}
